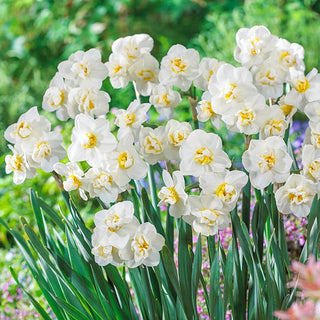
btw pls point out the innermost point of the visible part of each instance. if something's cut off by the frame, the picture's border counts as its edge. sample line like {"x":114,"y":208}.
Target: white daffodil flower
{"x":296,"y":196}
{"x":207,"y":215}
{"x":288,"y":105}
{"x":18,"y":164}
{"x":91,"y":139}
{"x":254,"y":45}
{"x":47,"y":151}
{"x":132,"y":47}
{"x":145,"y":73}
{"x":208,"y":67}
{"x":55,"y":98}
{"x":125,"y":162}
{"x":173,"y":193}
{"x":91,"y":102}
{"x":312,"y":110}
{"x":201,"y":153}
{"x":118,"y":223}
{"x":267,"y":161}
{"x":311,"y":162}
{"x":74,"y":177}
{"x":175,"y":133}
{"x":165,"y":100}
{"x":100,"y":183}
{"x":29,"y":127}
{"x":288,"y":55}
{"x":130,"y":121}
{"x":84,"y":69}
{"x":144,"y":247}
{"x":179,"y":67}
{"x":205,"y":111}
{"x":230,"y":86}
{"x":306,"y":88}
{"x":225,"y":185}
{"x":118,"y":70}
{"x":269,"y":79}
{"x":248,"y":117}
{"x":152,"y":143}
{"x":104,"y":253}
{"x":275,"y":123}
{"x":312,"y":135}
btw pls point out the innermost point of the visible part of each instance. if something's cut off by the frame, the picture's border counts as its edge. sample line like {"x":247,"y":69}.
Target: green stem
{"x":153,"y":188}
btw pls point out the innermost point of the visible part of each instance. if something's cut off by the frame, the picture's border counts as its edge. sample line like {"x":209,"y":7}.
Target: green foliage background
{"x":36,"y":35}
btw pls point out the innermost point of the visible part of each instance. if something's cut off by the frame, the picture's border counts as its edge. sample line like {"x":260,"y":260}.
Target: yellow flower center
{"x":178,"y":65}
{"x":126,"y":160}
{"x":22,"y":130}
{"x":143,"y":245}
{"x":42,"y":150}
{"x":16,"y":163}
{"x":129,"y":118}
{"x":112,"y":222}
{"x":254,"y":42}
{"x":102,"y":180}
{"x":76,"y":181}
{"x":246,"y":116}
{"x":92,"y":140}
{"x":172,"y":197}
{"x":229,"y":91}
{"x":165,"y":99}
{"x":207,"y":108}
{"x":298,"y":195}
{"x":302,"y":85}
{"x":146,"y":75}
{"x":286,"y":108}
{"x":203,"y":156}
{"x":314,"y":168}
{"x":152,"y":145}
{"x":226,"y":191}
{"x":117,"y":68}
{"x":268,"y":162}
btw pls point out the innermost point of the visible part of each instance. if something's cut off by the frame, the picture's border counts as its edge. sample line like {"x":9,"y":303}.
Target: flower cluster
{"x":254,"y":99}
{"x":119,"y":237}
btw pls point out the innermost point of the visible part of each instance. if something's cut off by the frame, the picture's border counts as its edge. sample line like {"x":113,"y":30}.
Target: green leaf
{"x":39,"y":216}
{"x":38,"y":307}
{"x":195,"y":275}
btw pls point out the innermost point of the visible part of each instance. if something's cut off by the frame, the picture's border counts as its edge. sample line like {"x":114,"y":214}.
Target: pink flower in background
{"x":307,"y":311}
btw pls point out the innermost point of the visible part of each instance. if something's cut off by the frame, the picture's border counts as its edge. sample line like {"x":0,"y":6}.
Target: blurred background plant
{"x":36,"y":35}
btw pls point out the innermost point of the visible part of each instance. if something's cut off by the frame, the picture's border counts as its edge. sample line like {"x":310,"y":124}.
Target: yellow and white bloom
{"x":288,"y":55}
{"x":130,"y":121}
{"x":74,"y":177}
{"x":145,"y":73}
{"x":18,"y":164}
{"x":205,"y":111}
{"x":125,"y":162}
{"x":230,"y":86}
{"x":254,"y":45}
{"x":306,"y":88}
{"x":296,"y":196}
{"x":47,"y":151}
{"x":165,"y":99}
{"x":311,"y":162}
{"x":144,"y":247}
{"x":312,"y":110}
{"x":201,"y":153}
{"x":269,"y":79}
{"x":118,"y":70}
{"x":208,"y":67}
{"x":288,"y":105}
{"x":100,"y":183}
{"x":275,"y":123}
{"x":173,"y":194}
{"x":91,"y":102}
{"x":118,"y":223}
{"x":55,"y":98}
{"x":248,"y":117}
{"x":91,"y":139}
{"x":267,"y":161}
{"x":175,"y":133}
{"x":207,"y":215}
{"x":104,"y":253}
{"x":226,"y":186}
{"x":28,"y":129}
{"x":179,"y":67}
{"x":132,"y":47}
{"x":152,"y":144}
{"x":84,"y":69}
